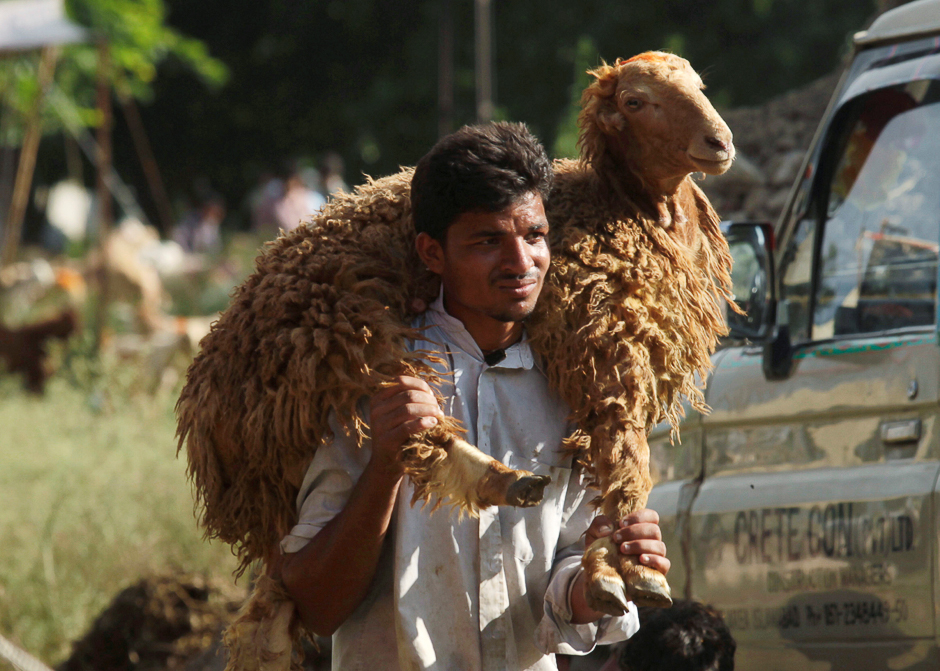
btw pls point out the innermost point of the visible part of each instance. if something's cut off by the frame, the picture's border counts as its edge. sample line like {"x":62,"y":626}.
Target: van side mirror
{"x":752,"y":279}
{"x":763,"y":320}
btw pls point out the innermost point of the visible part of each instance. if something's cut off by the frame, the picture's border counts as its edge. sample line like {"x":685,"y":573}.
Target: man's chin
{"x":513,"y":315}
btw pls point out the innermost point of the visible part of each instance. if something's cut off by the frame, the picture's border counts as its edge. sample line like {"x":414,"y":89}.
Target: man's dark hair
{"x":478,"y":168}
{"x":689,"y":636}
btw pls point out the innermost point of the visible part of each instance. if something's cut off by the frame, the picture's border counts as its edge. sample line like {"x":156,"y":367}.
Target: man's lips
{"x":517,"y":288}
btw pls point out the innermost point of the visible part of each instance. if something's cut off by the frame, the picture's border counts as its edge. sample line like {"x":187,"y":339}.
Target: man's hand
{"x":397,"y":413}
{"x":638,"y":534}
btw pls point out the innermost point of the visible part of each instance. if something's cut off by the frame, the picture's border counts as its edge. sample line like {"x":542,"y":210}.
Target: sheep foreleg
{"x":451,"y":468}
{"x":614,"y":579}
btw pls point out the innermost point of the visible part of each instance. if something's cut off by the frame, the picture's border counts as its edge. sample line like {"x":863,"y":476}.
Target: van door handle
{"x":904,"y":431}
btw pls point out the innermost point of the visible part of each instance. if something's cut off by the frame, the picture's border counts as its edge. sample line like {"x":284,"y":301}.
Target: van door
{"x":814,"y":529}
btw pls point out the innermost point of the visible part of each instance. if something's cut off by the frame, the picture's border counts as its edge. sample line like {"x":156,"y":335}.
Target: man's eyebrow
{"x":499,"y":232}
{"x":488,"y":233}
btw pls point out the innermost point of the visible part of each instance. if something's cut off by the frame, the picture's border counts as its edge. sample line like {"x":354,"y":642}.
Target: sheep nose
{"x":715,"y":143}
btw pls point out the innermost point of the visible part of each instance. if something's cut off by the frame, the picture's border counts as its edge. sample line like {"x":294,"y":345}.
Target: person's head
{"x":689,"y":636}
{"x":477,"y":204}
{"x":476,"y":169}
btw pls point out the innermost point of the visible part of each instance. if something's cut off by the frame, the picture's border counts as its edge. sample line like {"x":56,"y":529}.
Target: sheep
{"x":23,"y":349}
{"x":632,"y":310}
{"x":628,"y":317}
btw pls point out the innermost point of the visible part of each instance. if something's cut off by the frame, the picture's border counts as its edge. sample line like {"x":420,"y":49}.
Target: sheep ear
{"x":610,"y":122}
{"x":603,"y":71}
{"x":600,"y":96}
{"x":599,"y":116}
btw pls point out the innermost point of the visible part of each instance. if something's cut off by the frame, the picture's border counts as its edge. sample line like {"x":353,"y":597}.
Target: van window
{"x":878,"y":255}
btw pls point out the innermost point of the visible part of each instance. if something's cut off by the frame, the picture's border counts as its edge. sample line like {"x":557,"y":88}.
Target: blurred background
{"x":148,"y":149}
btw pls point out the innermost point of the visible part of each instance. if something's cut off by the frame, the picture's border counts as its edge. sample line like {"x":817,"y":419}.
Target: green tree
{"x":360,"y":76}
{"x":138,"y":40}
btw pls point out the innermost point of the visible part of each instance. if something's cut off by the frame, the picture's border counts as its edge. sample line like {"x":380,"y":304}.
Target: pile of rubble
{"x":771,"y":141}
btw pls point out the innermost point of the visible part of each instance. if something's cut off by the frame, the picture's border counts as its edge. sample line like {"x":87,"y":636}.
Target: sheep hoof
{"x":604,"y":589}
{"x":648,"y":587}
{"x":527,"y":491}
{"x":607,"y":595}
{"x":613,"y":580}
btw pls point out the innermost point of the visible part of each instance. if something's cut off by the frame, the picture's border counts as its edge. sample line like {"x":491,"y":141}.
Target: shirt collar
{"x":518,"y":355}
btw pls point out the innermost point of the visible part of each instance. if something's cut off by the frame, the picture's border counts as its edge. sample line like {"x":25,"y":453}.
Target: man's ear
{"x":431,"y":253}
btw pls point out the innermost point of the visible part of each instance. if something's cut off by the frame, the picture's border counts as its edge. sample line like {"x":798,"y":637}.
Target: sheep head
{"x":647,"y":120}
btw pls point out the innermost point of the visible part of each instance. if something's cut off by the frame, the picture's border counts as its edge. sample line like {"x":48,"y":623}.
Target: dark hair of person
{"x":478,"y":168}
{"x":689,"y":636}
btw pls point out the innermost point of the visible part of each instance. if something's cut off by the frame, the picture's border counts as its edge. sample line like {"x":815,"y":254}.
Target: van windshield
{"x":878,"y":259}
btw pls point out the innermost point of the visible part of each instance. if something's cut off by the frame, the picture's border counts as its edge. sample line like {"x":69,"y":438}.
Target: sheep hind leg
{"x":471,"y":479}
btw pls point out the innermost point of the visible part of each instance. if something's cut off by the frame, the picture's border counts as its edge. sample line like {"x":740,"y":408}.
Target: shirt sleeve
{"x":333,"y":472}
{"x":556,"y":633}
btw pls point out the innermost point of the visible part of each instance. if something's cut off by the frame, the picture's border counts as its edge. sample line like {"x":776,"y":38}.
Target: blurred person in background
{"x":689,"y":636}
{"x":331,"y":174}
{"x":261,"y":202}
{"x":199,"y":231}
{"x":297,"y":202}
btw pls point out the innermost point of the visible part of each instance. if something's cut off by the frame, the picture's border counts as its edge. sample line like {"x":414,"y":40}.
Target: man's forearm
{"x":329,"y":577}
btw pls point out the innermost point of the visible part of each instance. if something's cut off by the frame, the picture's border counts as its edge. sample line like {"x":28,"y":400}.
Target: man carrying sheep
{"x":403,"y":588}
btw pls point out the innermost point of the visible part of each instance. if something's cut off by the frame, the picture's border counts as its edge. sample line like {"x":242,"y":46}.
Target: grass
{"x":92,"y":497}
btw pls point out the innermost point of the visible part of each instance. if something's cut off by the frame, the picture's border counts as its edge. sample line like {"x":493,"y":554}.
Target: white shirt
{"x":462,"y":593}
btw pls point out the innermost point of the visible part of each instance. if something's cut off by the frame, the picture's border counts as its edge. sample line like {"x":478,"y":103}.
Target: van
{"x":805,"y":505}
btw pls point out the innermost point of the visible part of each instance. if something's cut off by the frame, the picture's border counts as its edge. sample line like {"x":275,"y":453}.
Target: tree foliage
{"x":359,"y":77}
{"x":138,"y":41}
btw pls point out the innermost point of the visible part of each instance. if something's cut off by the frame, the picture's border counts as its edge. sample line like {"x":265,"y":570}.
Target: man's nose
{"x":516,"y":257}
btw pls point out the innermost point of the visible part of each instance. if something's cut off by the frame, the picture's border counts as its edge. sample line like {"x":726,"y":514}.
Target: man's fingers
{"x":404,"y":431}
{"x":401,"y":383}
{"x":411,"y":397}
{"x":643,"y":547}
{"x":405,"y":422}
{"x":644,"y":516}
{"x":408,"y":416}
{"x":600,"y":526}
{"x":405,"y":413}
{"x":656,"y":562}
{"x":402,"y":403}
{"x":638,"y":531}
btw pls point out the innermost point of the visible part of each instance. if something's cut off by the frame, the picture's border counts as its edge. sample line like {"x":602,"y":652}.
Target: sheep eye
{"x":634,"y":103}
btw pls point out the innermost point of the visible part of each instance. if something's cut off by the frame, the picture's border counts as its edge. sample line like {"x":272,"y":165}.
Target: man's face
{"x":492,"y":264}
